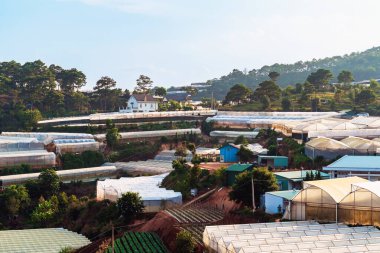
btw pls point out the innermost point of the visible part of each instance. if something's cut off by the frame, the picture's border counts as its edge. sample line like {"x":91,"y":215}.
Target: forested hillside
{"x":363,"y":65}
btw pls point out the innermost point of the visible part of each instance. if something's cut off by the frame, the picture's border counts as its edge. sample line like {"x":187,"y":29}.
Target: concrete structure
{"x":234,"y":170}
{"x":367,"y":167}
{"x":277,"y":201}
{"x":273,"y":161}
{"x":141,"y":103}
{"x":289,"y":180}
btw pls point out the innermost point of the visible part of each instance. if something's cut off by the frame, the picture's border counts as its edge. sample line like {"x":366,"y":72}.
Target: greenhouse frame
{"x":14,"y":144}
{"x":64,"y":146}
{"x":148,"y":187}
{"x":149,"y":167}
{"x":48,"y":138}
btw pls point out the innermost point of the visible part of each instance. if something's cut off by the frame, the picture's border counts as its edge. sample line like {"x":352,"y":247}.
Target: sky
{"x":177,"y":42}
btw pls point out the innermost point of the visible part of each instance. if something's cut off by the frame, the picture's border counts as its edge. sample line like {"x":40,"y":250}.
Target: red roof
{"x":144,"y":98}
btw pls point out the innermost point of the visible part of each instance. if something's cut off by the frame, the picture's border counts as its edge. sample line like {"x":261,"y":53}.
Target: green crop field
{"x":138,"y":242}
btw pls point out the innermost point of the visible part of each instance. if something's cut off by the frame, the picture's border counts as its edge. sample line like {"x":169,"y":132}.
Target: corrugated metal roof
{"x":355,"y":162}
{"x":289,"y":195}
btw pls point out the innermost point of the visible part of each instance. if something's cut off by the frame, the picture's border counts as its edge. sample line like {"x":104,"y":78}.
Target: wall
{"x":229,"y":154}
{"x":272,"y":202}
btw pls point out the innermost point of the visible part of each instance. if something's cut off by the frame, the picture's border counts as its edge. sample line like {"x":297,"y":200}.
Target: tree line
{"x":33,"y":90}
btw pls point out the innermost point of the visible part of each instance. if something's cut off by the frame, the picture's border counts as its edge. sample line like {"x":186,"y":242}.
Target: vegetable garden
{"x":138,"y":242}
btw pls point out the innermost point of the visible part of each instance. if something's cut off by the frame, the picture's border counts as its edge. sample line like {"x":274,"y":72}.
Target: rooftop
{"x":289,"y":195}
{"x":239,"y":167}
{"x":299,"y":174}
{"x":46,"y":240}
{"x":355,"y":163}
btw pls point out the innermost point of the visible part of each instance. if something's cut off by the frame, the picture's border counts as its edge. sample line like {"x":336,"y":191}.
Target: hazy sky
{"x":177,"y":42}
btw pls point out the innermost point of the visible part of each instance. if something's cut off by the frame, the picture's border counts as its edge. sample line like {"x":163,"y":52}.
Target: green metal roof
{"x":289,"y":195}
{"x":46,"y":240}
{"x":239,"y":167}
{"x":296,"y":175}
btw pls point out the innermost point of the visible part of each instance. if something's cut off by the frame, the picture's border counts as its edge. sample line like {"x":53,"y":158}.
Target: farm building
{"x":234,"y":170}
{"x":273,"y":161}
{"x":33,"y":158}
{"x":277,"y":201}
{"x":44,"y":240}
{"x":229,"y":152}
{"x":287,"y":237}
{"x":289,"y":180}
{"x":362,"y":166}
{"x":318,"y":200}
{"x":148,"y":167}
{"x":84,"y":174}
{"x":148,"y":187}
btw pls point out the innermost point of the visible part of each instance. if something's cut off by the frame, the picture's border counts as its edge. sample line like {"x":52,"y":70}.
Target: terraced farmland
{"x":191,"y":215}
{"x":138,"y":242}
{"x":196,"y":231}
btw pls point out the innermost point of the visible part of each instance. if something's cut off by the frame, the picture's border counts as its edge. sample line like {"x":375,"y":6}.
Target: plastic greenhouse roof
{"x":158,"y":133}
{"x":234,"y":134}
{"x":47,"y":138}
{"x":289,"y":195}
{"x":323,"y":142}
{"x":373,"y":187}
{"x":347,"y":162}
{"x":46,"y":240}
{"x":26,"y":153}
{"x":345,"y":133}
{"x":337,"y":188}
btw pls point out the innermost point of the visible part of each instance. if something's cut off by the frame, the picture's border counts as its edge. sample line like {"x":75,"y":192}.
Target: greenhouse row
{"x":34,"y":158}
{"x":149,"y":167}
{"x":352,"y":200}
{"x":148,"y":187}
{"x":153,"y":134}
{"x":76,"y":147}
{"x":331,"y":148}
{"x":47,"y":138}
{"x":84,"y":174}
{"x":290,"y":237}
{"x":234,"y":134}
{"x":14,"y":144}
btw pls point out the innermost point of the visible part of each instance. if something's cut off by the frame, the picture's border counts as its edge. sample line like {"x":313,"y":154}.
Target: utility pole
{"x":113,"y":238}
{"x":253,"y":195}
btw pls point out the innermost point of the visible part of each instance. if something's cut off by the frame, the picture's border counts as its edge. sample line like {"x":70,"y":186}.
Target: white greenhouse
{"x":148,"y":187}
{"x":286,"y":237}
{"x":318,"y":200}
{"x":361,"y":145}
{"x":14,"y":144}
{"x":234,"y":134}
{"x":66,"y":176}
{"x":75,"y":145}
{"x":362,"y":205}
{"x":35,"y":159}
{"x":149,"y":167}
{"x":326,"y":147}
{"x":47,"y":138}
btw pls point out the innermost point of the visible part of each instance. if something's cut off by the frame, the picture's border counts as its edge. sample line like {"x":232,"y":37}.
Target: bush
{"x":185,"y":242}
{"x":130,"y":205}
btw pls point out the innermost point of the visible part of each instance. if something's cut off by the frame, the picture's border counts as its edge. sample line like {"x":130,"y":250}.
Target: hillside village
{"x":189,"y":126}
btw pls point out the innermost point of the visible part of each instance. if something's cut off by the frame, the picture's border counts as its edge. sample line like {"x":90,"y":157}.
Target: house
{"x":289,"y":180}
{"x":277,"y":201}
{"x":229,"y":152}
{"x":367,"y":167}
{"x":235,"y":170}
{"x":273,"y":161}
{"x":141,"y":103}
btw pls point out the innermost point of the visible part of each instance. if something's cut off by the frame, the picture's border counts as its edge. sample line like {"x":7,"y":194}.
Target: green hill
{"x":364,"y":65}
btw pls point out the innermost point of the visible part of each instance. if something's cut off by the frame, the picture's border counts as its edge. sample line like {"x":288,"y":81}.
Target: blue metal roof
{"x":359,"y":163}
{"x":289,"y":195}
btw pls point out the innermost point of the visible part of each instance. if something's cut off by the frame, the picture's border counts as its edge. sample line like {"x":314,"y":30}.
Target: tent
{"x":318,"y":200}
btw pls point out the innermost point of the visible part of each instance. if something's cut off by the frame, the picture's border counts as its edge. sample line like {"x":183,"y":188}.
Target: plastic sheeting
{"x":318,"y":200}
{"x":36,"y":159}
{"x":234,"y":134}
{"x":84,"y":174}
{"x":47,"y":138}
{"x":149,"y":167}
{"x":289,"y":237}
{"x":14,"y":144}
{"x":77,"y":147}
{"x":148,"y":187}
